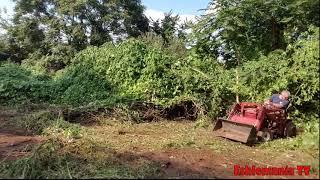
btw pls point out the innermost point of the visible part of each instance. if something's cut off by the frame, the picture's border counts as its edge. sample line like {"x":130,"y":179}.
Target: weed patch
{"x":57,"y":158}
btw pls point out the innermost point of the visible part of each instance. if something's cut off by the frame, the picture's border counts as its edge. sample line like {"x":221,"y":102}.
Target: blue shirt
{"x":275,"y":98}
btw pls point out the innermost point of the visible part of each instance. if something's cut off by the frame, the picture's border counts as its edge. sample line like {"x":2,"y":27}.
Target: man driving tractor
{"x":248,"y":122}
{"x":279,"y":100}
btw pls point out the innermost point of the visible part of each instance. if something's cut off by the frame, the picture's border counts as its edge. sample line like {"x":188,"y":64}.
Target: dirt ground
{"x":14,"y":143}
{"x":182,"y":150}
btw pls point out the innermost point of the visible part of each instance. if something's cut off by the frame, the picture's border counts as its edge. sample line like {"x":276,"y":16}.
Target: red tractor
{"x":248,"y":122}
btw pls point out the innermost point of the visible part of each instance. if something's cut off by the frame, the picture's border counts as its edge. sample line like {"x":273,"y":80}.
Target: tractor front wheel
{"x":265,"y":135}
{"x":290,"y":130}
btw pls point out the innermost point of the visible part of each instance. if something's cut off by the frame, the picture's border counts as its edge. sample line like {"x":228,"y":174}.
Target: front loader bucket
{"x":235,"y":131}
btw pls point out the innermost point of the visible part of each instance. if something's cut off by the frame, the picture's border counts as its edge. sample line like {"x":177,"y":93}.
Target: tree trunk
{"x":237,"y":82}
{"x":277,"y":35}
{"x":237,"y":75}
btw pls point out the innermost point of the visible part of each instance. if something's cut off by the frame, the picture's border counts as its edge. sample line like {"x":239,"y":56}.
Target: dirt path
{"x":14,"y":143}
{"x":190,"y":163}
{"x":13,"y":146}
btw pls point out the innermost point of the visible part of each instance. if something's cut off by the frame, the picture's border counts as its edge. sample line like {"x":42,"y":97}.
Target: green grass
{"x":180,"y":144}
{"x":69,"y":152}
{"x":44,"y":122}
{"x":306,"y":142}
{"x":79,"y":159}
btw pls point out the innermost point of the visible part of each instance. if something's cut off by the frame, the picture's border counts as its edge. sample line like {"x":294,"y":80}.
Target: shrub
{"x":18,"y":84}
{"x":136,"y":70}
{"x":80,"y":85}
{"x":295,"y":69}
{"x":139,"y":70}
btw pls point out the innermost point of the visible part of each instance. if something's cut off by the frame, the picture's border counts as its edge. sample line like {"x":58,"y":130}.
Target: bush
{"x":139,"y":70}
{"x":296,"y":69}
{"x":136,"y":70}
{"x":80,"y":85}
{"x":58,"y":58}
{"x":18,"y":84}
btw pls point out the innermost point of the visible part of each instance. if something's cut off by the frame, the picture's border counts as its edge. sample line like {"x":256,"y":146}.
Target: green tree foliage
{"x":3,"y":45}
{"x":169,"y":24}
{"x":243,"y":29}
{"x":169,"y":28}
{"x":206,"y":82}
{"x":296,"y":69}
{"x":176,"y":47}
{"x":42,"y":25}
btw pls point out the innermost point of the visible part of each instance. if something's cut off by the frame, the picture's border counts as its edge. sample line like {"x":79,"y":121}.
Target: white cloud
{"x":6,"y":8}
{"x":212,"y":9}
{"x":155,"y":15}
{"x":6,"y":12}
{"x":187,"y":17}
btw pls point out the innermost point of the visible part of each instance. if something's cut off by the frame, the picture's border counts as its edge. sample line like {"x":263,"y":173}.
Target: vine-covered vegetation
{"x":86,"y":79}
{"x":153,"y":64}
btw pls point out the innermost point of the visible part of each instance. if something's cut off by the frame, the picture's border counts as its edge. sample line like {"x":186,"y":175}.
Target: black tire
{"x":290,"y":129}
{"x":265,"y":135}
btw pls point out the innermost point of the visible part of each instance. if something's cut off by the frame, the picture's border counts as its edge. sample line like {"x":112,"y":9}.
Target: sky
{"x":154,"y":8}
{"x":185,"y":8}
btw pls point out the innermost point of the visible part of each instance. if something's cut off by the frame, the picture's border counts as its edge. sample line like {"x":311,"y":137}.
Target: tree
{"x":240,"y":30}
{"x":41,"y":25}
{"x":167,"y":27}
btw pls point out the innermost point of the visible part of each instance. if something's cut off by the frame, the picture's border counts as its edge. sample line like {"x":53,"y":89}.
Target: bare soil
{"x":14,"y":143}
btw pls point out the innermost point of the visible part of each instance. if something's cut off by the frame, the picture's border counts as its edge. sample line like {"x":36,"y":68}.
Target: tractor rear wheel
{"x":290,"y":130}
{"x":265,"y":135}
